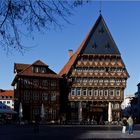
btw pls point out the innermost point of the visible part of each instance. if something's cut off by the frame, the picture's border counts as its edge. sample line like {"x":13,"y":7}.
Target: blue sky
{"x":123,"y":21}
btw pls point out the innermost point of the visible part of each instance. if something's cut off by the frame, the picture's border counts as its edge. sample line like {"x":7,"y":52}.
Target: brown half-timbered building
{"x":35,"y":84}
{"x":96,"y":77}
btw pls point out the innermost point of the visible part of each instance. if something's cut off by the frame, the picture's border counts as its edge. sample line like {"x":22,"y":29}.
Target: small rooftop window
{"x":94,"y":46}
{"x":101,"y":30}
{"x":107,"y":46}
{"x":38,"y":69}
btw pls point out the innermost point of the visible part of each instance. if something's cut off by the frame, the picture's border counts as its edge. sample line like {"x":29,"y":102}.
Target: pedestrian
{"x":124,"y":124}
{"x":130,"y":125}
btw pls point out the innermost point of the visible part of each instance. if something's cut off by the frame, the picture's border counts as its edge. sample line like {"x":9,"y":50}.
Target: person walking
{"x":124,"y":123}
{"x":130,"y":125}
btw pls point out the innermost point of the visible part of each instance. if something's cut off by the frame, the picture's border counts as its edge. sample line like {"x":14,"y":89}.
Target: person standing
{"x":130,"y":125}
{"x":124,"y":123}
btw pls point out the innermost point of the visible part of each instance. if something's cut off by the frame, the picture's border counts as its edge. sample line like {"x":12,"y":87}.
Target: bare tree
{"x":31,"y":15}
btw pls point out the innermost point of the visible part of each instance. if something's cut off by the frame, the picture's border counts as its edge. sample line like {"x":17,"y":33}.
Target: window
{"x":112,"y":81}
{"x":83,"y":104}
{"x":54,"y":114}
{"x":111,"y":92}
{"x":53,"y":96}
{"x":39,"y":69}
{"x":77,"y":80}
{"x":117,"y":92}
{"x":8,"y":102}
{"x":26,"y":83}
{"x":35,"y":69}
{"x":84,"y":92}
{"x":85,"y":80}
{"x":53,"y":83}
{"x":44,"y":83}
{"x":106,"y":81}
{"x":72,"y":105}
{"x":116,"y":106}
{"x":44,"y":96}
{"x":43,"y":69}
{"x":35,"y":82}
{"x":90,"y":80}
{"x":95,"y":92}
{"x":94,"y":46}
{"x":106,"y":93}
{"x":78,"y":92}
{"x":101,"y":30}
{"x":73,"y":92}
{"x":107,"y":69}
{"x":100,"y":92}
{"x":35,"y":95}
{"x":4,"y":102}
{"x":36,"y":111}
{"x":26,"y":95}
{"x":90,"y":92}
{"x":101,"y":81}
{"x":95,"y":80}
{"x":107,"y":46}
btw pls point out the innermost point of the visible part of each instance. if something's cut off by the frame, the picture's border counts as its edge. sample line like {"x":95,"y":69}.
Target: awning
{"x":8,"y":111}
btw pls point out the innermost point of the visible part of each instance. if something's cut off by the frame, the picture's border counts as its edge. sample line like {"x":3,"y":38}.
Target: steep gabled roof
{"x":27,"y":70}
{"x":39,"y":63}
{"x":97,"y":41}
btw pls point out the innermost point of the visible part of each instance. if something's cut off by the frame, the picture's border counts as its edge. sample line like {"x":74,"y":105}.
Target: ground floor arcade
{"x":94,"y":111}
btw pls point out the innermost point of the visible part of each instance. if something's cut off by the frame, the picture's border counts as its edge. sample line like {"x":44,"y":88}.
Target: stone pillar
{"x":80,"y":111}
{"x":109,"y":112}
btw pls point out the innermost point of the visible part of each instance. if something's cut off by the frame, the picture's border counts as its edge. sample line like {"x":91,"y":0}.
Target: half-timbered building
{"x":96,"y":77}
{"x":36,"y":86}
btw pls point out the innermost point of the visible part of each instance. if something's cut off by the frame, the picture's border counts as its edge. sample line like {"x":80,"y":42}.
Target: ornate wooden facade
{"x":96,"y":77}
{"x":35,"y":85}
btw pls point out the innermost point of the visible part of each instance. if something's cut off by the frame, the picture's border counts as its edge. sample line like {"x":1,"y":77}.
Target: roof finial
{"x":100,"y":9}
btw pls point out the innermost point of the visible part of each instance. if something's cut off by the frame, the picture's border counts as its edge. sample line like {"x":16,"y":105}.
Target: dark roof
{"x":100,"y":40}
{"x":19,"y":67}
{"x":27,"y":70}
{"x":97,"y":41}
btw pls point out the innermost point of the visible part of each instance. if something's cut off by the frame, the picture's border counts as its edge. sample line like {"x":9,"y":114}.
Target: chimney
{"x":70,"y":52}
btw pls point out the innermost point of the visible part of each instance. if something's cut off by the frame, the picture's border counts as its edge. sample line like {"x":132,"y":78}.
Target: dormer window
{"x":107,"y":46}
{"x":94,"y":46}
{"x":101,"y":30}
{"x":38,"y":69}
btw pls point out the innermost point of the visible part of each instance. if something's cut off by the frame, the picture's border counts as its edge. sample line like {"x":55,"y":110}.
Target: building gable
{"x":100,"y":40}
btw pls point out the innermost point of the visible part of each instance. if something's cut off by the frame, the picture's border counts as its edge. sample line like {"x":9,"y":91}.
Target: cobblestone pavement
{"x":66,"y":132}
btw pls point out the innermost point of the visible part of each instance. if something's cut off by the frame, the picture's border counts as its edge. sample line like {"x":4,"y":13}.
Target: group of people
{"x":128,"y":122}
